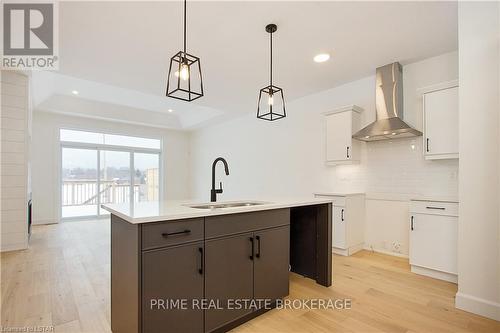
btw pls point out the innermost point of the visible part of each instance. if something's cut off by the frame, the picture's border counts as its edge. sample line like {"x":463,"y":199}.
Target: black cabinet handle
{"x":167,"y":234}
{"x":258,"y":246}
{"x":347,"y":152}
{"x":427,"y":145}
{"x":411,"y":223}
{"x":200,"y":270}
{"x":342,"y":214}
{"x":253,"y":249}
{"x":436,"y":208}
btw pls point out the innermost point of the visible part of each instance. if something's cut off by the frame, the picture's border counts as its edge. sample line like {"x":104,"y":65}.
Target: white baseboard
{"x":395,"y":254}
{"x":349,"y":251}
{"x":478,"y":306}
{"x":434,"y":274}
{"x":44,"y":221}
{"x":13,"y":247}
{"x":341,"y":252}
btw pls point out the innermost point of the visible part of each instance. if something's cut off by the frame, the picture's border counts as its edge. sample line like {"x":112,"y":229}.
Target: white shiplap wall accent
{"x":14,"y":156}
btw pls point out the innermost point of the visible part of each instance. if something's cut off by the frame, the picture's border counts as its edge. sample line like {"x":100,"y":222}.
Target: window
{"x":100,"y":168}
{"x":108,"y":139}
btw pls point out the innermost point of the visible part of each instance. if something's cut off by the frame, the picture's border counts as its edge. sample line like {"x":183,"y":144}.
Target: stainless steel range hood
{"x":389,"y":123}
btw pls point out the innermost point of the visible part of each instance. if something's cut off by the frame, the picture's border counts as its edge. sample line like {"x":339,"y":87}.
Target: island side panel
{"x":311,"y":242}
{"x":324,"y":245}
{"x":303,"y":241}
{"x":125,"y":277}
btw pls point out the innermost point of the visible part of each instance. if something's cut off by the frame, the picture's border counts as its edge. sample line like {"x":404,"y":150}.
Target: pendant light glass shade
{"x":184,"y":80}
{"x":271,"y":105}
{"x":184,"y":77}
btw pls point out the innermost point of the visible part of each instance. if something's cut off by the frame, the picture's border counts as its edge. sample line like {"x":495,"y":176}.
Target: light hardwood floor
{"x":63,"y":280}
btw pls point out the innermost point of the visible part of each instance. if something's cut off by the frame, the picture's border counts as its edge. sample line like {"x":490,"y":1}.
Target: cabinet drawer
{"x":216,"y":226}
{"x":163,"y":234}
{"x":434,"y":208}
{"x":337,"y":200}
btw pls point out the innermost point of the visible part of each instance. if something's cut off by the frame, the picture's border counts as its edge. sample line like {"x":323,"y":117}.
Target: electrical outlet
{"x":396,"y":247}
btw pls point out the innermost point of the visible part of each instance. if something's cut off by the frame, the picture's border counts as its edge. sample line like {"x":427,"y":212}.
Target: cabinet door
{"x":339,"y":227}
{"x":339,"y":136}
{"x":171,"y":274}
{"x":441,"y":122}
{"x":433,"y":242}
{"x":228,"y":275}
{"x":271,"y":263}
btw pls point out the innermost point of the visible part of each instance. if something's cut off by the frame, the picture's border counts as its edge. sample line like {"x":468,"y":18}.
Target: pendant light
{"x":271,"y":102}
{"x":184,"y":75}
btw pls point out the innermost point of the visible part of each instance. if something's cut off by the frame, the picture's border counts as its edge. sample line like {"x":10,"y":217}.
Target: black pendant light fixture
{"x":271,"y":102}
{"x":184,"y":75}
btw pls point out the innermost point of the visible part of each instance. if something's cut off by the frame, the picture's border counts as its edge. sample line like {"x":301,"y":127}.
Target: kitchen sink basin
{"x":227,"y":205}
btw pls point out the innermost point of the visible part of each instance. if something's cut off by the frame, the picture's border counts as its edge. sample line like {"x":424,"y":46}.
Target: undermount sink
{"x":227,"y":205}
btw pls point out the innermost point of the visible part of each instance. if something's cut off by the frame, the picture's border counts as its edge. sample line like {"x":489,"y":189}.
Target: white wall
{"x":479,"y":105}
{"x":15,"y":116}
{"x":286,"y":157}
{"x":46,"y":157}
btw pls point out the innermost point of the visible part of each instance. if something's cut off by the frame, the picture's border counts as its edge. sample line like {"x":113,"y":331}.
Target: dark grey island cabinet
{"x":209,"y":263}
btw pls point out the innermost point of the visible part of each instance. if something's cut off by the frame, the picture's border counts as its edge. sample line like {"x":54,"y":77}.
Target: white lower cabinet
{"x":433,"y":239}
{"x":348,"y":222}
{"x":339,"y":227}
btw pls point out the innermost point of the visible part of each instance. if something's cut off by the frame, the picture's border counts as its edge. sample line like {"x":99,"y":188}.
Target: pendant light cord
{"x":271,"y":62}
{"x":185,"y":10}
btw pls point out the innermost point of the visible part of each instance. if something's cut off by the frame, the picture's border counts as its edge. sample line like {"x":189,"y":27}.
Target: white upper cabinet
{"x":341,"y":148}
{"x":441,"y":122}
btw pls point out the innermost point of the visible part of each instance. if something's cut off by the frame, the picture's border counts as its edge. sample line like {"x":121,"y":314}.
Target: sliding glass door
{"x":95,"y":173}
{"x":79,"y":182}
{"x":115,"y":177}
{"x":146,"y":177}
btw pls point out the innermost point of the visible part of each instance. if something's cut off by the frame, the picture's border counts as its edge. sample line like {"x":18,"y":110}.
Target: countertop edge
{"x":214,"y":212}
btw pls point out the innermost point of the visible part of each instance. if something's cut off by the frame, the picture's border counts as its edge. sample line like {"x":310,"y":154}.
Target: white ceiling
{"x":129,"y":44}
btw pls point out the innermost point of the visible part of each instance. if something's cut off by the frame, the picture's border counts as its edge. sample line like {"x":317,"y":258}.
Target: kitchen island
{"x":199,"y":267}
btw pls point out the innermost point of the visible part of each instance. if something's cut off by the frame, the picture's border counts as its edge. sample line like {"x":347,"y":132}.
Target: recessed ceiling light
{"x":170,"y":110}
{"x":75,"y":92}
{"x":322,"y":57}
{"x":393,"y":133}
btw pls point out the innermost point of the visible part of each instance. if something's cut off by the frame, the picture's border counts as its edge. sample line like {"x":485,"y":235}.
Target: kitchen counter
{"x":435,"y":198}
{"x":155,"y":211}
{"x":338,"y":194}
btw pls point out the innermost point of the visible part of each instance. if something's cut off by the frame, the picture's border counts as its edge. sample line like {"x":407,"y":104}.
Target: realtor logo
{"x":29,"y":36}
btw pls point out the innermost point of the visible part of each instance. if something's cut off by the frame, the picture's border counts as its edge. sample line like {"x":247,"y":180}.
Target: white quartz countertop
{"x":435,"y":198}
{"x":337,"y":194}
{"x":154,"y":211}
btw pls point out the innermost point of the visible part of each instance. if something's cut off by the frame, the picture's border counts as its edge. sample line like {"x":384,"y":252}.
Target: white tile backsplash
{"x":398,"y":166}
